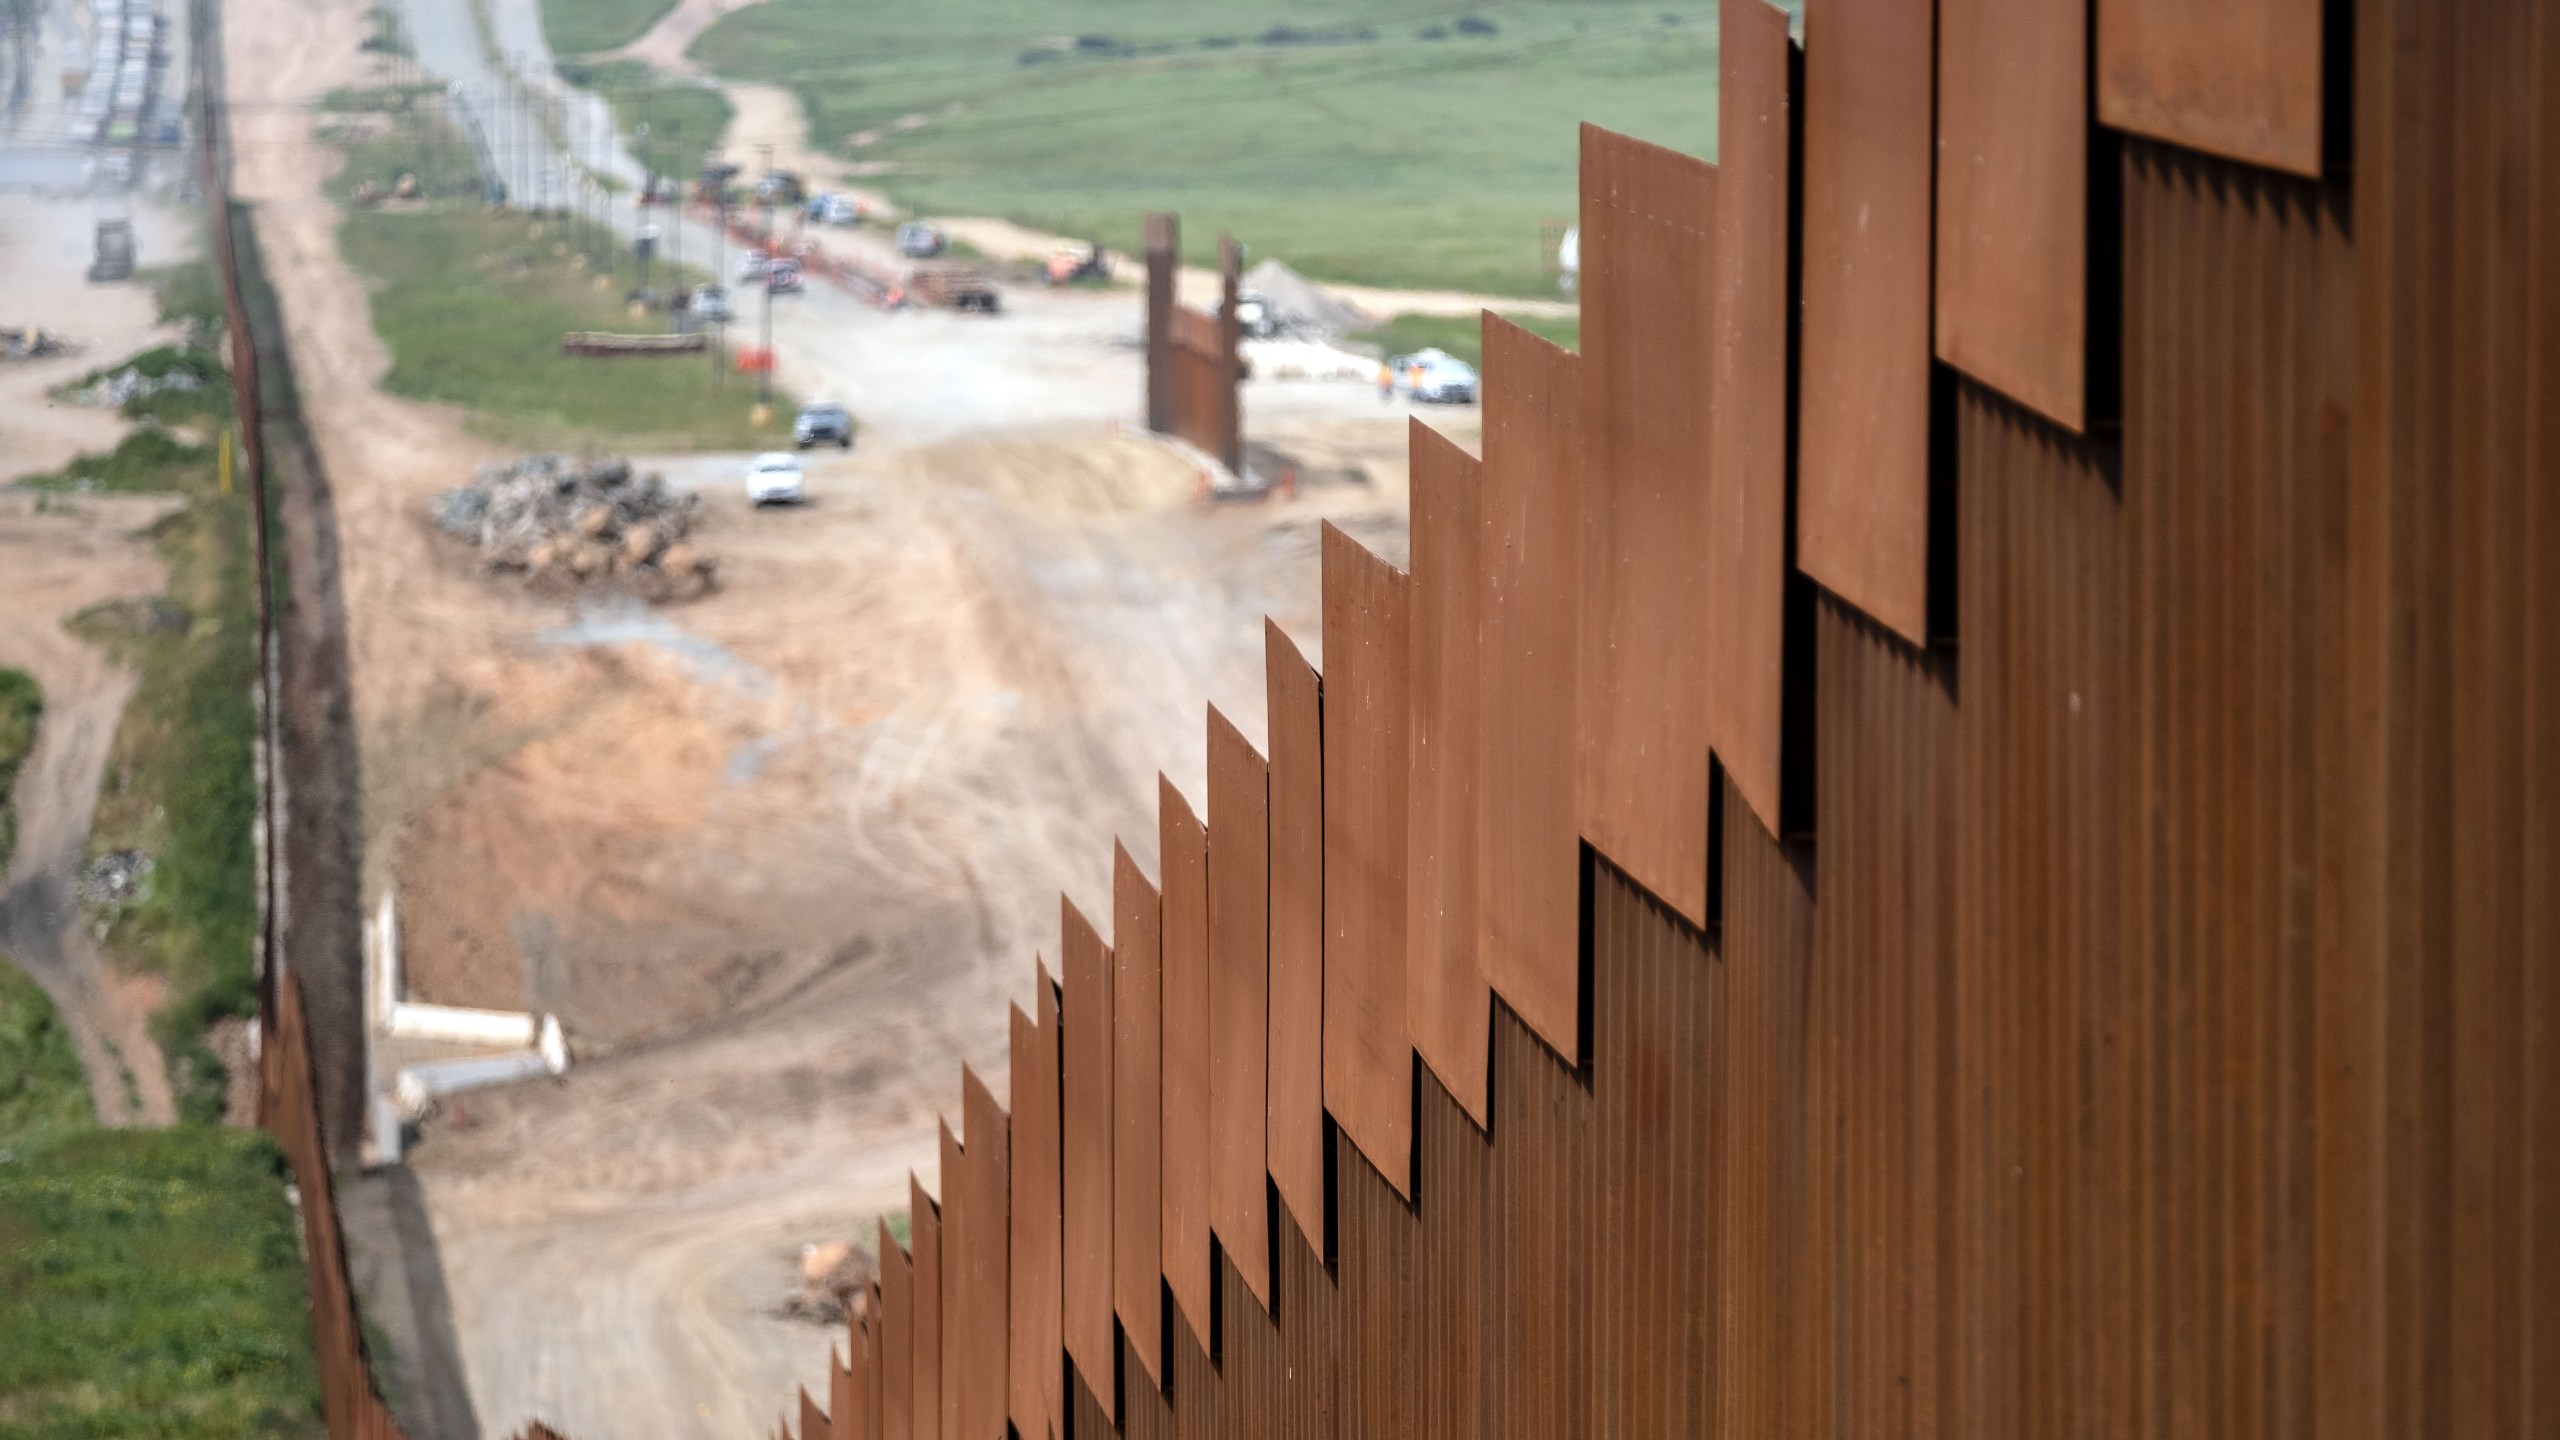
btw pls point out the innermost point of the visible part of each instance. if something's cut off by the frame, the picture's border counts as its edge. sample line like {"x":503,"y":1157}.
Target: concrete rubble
{"x":563,"y":521}
{"x":130,"y":383}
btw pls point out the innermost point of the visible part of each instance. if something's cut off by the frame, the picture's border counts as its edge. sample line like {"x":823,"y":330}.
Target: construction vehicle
{"x":1075,"y":260}
{"x":115,"y":251}
{"x":715,"y":185}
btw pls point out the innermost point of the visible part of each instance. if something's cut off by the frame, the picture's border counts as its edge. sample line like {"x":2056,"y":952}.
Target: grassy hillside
{"x":1416,"y":143}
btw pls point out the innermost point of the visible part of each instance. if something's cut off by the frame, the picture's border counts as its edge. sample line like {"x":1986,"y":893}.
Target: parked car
{"x":710,"y":302}
{"x":751,"y":266}
{"x":774,"y":478}
{"x":1435,"y":377}
{"x":835,"y":210}
{"x":918,"y":239}
{"x":822,"y":420}
{"x":782,"y":277}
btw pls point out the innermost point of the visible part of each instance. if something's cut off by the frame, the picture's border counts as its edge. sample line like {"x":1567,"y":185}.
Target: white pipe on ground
{"x":426,"y":1082}
{"x":470,"y":1027}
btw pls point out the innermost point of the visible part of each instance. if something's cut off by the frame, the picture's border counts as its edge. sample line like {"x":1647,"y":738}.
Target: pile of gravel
{"x":1303,"y":308}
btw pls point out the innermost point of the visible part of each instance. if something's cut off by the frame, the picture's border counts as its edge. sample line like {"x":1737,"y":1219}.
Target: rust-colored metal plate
{"x":1137,"y":1109}
{"x":1085,"y":1162}
{"x":924,"y":1232}
{"x":1239,"y":999}
{"x":894,"y":1360}
{"x":1184,"y":845}
{"x":1529,"y":559}
{"x":983,"y":1259}
{"x":957,"y":1226}
{"x":813,"y":1421}
{"x":1862,"y":438}
{"x":1747,"y":453}
{"x":2013,"y":200}
{"x":1648,"y":348}
{"x":2239,"y":78}
{"x":1033,"y":1395}
{"x":1295,"y":1146}
{"x":859,"y":1417}
{"x":840,"y":1403}
{"x":1448,"y":1005}
{"x":1368,"y":1056}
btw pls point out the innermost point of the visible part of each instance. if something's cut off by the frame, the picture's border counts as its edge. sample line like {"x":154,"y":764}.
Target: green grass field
{"x":583,"y":27}
{"x":41,"y":1089}
{"x":473,"y":305}
{"x":150,"y":1280}
{"x":1461,"y":336}
{"x":1377,"y":142}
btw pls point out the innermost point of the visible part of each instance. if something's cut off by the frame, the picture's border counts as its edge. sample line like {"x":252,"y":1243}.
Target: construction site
{"x":1921,"y":799}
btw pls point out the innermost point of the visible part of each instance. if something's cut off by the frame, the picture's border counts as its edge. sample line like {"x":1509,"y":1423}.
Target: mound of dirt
{"x":562,"y":521}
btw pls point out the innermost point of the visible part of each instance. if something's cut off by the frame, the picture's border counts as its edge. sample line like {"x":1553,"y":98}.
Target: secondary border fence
{"x":289,"y":1104}
{"x":1194,"y":363}
{"x":1954,"y":830}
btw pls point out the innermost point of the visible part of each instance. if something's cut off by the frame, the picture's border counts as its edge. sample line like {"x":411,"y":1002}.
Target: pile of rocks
{"x":560,"y":520}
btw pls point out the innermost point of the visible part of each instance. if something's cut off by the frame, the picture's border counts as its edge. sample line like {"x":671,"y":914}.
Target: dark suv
{"x":824,"y":420}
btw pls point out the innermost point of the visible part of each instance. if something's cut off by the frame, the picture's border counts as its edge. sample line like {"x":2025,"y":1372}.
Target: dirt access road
{"x":777,"y":856}
{"x":58,"y":556}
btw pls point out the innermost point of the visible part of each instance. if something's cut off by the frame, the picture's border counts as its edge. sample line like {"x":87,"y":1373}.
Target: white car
{"x":774,"y":478}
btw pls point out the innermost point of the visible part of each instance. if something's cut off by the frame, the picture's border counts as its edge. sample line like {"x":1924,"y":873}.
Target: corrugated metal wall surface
{"x":2155,"y":1029}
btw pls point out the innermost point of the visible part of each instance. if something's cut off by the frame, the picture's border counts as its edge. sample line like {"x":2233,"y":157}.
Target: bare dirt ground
{"x":58,"y":556}
{"x":45,"y":246}
{"x":777,"y":856}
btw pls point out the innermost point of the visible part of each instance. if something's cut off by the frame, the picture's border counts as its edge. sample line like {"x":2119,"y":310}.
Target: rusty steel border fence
{"x":1195,"y":367}
{"x":288,"y":1095}
{"x":1954,"y":830}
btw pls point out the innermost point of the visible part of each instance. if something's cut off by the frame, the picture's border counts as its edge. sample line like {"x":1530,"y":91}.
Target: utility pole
{"x":720,"y":279}
{"x":764,"y":390}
